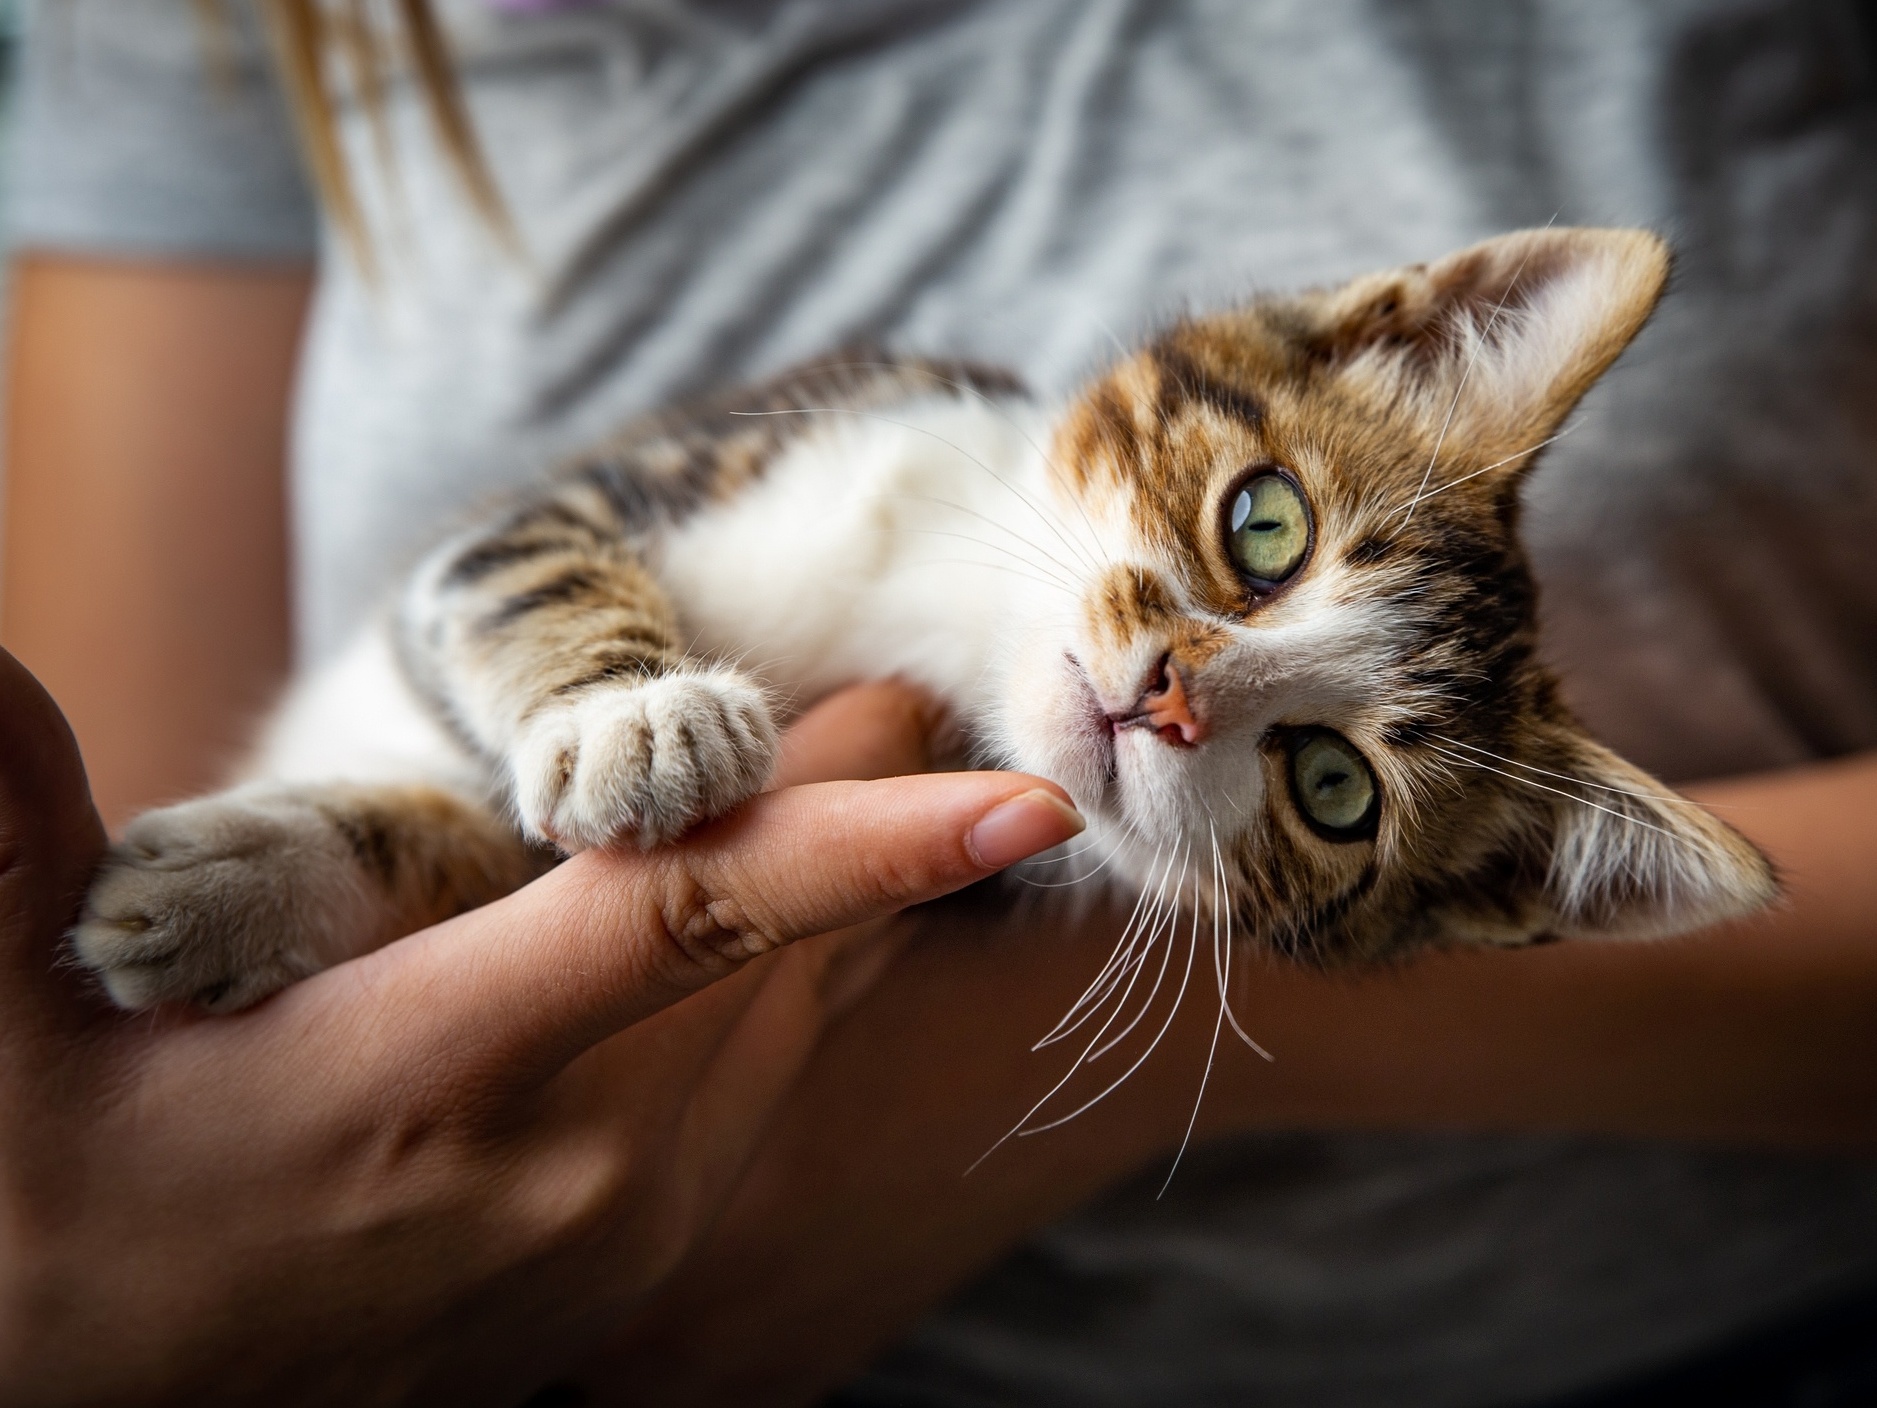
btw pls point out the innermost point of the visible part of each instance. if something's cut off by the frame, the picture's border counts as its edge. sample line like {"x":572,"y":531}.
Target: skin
{"x":145,"y":433}
{"x":432,"y":1174}
{"x":853,"y":1217}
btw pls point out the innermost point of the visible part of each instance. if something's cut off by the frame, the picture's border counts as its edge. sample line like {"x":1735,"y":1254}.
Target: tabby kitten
{"x":1255,"y":597}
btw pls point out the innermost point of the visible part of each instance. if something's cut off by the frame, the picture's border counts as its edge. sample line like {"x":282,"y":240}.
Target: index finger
{"x":610,"y":938}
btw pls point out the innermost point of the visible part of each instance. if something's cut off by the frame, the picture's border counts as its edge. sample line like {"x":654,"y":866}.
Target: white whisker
{"x":1218,"y":1022}
{"x":1082,"y":879}
{"x":1035,"y":567}
{"x":1559,"y":791}
{"x":1566,"y":777}
{"x":1121,"y":1080}
{"x":994,"y":567}
{"x":1459,"y":390}
{"x":991,"y":403}
{"x":1496,"y":464}
{"x":1230,"y":1015}
{"x":1168,"y":925}
{"x":1068,"y":1075}
{"x":1108,"y":332}
{"x":963,"y":453}
{"x":1114,"y":958}
{"x":1047,"y":859}
{"x":1001,"y":527}
{"x":1146,"y":939}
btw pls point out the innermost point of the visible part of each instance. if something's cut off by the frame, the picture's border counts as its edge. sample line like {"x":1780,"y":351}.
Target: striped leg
{"x":551,"y":651}
{"x":226,"y":899}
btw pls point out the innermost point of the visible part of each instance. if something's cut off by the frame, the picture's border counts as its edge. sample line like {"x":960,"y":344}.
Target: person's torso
{"x":710,"y":192}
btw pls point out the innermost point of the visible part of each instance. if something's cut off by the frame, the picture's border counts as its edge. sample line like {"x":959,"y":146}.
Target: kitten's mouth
{"x":1096,"y":728}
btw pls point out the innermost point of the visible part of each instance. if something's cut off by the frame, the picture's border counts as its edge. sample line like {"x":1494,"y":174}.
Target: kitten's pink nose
{"x":1165,"y":708}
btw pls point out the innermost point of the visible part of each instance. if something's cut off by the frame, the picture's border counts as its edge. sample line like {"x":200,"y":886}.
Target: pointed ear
{"x":1495,"y":344}
{"x":1631,"y":859}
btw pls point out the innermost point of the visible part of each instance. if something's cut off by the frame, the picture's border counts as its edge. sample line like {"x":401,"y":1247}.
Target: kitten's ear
{"x":1630,"y":859}
{"x":1495,"y":344}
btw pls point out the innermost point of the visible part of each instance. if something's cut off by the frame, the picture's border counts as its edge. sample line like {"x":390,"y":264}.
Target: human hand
{"x":428,"y":1174}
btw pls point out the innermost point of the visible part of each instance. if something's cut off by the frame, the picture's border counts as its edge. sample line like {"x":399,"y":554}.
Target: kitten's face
{"x":1302,"y":673}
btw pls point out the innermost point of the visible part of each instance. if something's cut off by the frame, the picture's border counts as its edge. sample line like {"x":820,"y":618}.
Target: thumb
{"x":610,"y":938}
{"x":50,"y":835}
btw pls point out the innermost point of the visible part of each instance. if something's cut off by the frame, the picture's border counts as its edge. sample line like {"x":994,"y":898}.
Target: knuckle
{"x":702,"y":926}
{"x":570,"y":1197}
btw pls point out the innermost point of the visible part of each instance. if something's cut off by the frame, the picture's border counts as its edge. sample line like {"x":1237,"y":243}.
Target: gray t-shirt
{"x":707,"y":191}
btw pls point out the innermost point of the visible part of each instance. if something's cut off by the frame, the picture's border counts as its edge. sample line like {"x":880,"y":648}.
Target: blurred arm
{"x":144,"y":564}
{"x":857,"y":1216}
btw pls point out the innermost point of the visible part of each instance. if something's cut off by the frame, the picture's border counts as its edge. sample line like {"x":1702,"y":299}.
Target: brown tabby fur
{"x":578,"y":692}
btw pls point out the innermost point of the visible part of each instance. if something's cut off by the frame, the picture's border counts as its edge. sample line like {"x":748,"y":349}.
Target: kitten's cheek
{"x":1080,"y":766}
{"x":1048,"y":730}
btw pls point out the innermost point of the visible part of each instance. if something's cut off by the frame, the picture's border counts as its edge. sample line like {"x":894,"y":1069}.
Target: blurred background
{"x":9,"y":35}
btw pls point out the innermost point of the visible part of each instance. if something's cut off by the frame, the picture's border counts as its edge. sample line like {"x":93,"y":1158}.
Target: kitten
{"x":1255,"y":597}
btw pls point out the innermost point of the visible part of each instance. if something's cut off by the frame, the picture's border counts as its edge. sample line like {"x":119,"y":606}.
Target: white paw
{"x":642,"y":762}
{"x":221,"y":902}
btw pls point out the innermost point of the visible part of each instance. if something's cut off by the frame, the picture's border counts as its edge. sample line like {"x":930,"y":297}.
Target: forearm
{"x":145,"y":552}
{"x":859,"y":1215}
{"x":1762,"y":1032}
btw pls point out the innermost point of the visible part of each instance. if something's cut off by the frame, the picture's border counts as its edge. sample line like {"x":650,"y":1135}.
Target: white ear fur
{"x":1633,"y":860}
{"x":1496,"y":343}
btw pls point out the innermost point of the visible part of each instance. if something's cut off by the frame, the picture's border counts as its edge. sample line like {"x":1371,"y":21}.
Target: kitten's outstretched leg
{"x":551,"y":651}
{"x":224,"y":900}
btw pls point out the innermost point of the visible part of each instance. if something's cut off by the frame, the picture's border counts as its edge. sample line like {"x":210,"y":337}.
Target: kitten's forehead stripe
{"x":1163,"y":430}
{"x":1185,"y":380}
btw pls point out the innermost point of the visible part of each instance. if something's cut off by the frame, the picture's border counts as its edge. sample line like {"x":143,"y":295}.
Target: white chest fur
{"x":903,"y":543}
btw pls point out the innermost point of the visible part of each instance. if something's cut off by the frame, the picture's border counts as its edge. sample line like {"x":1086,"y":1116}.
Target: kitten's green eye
{"x":1268,"y":528}
{"x":1332,"y":783}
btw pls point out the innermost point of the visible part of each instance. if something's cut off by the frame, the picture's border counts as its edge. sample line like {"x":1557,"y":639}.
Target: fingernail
{"x":1029,"y":822}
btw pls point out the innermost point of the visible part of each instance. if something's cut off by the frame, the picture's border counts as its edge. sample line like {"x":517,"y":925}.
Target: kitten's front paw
{"x":642,"y":761}
{"x":219,"y":902}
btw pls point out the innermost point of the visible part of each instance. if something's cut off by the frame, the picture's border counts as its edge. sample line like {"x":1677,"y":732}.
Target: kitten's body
{"x":889,"y":505}
{"x":1356,"y":756}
